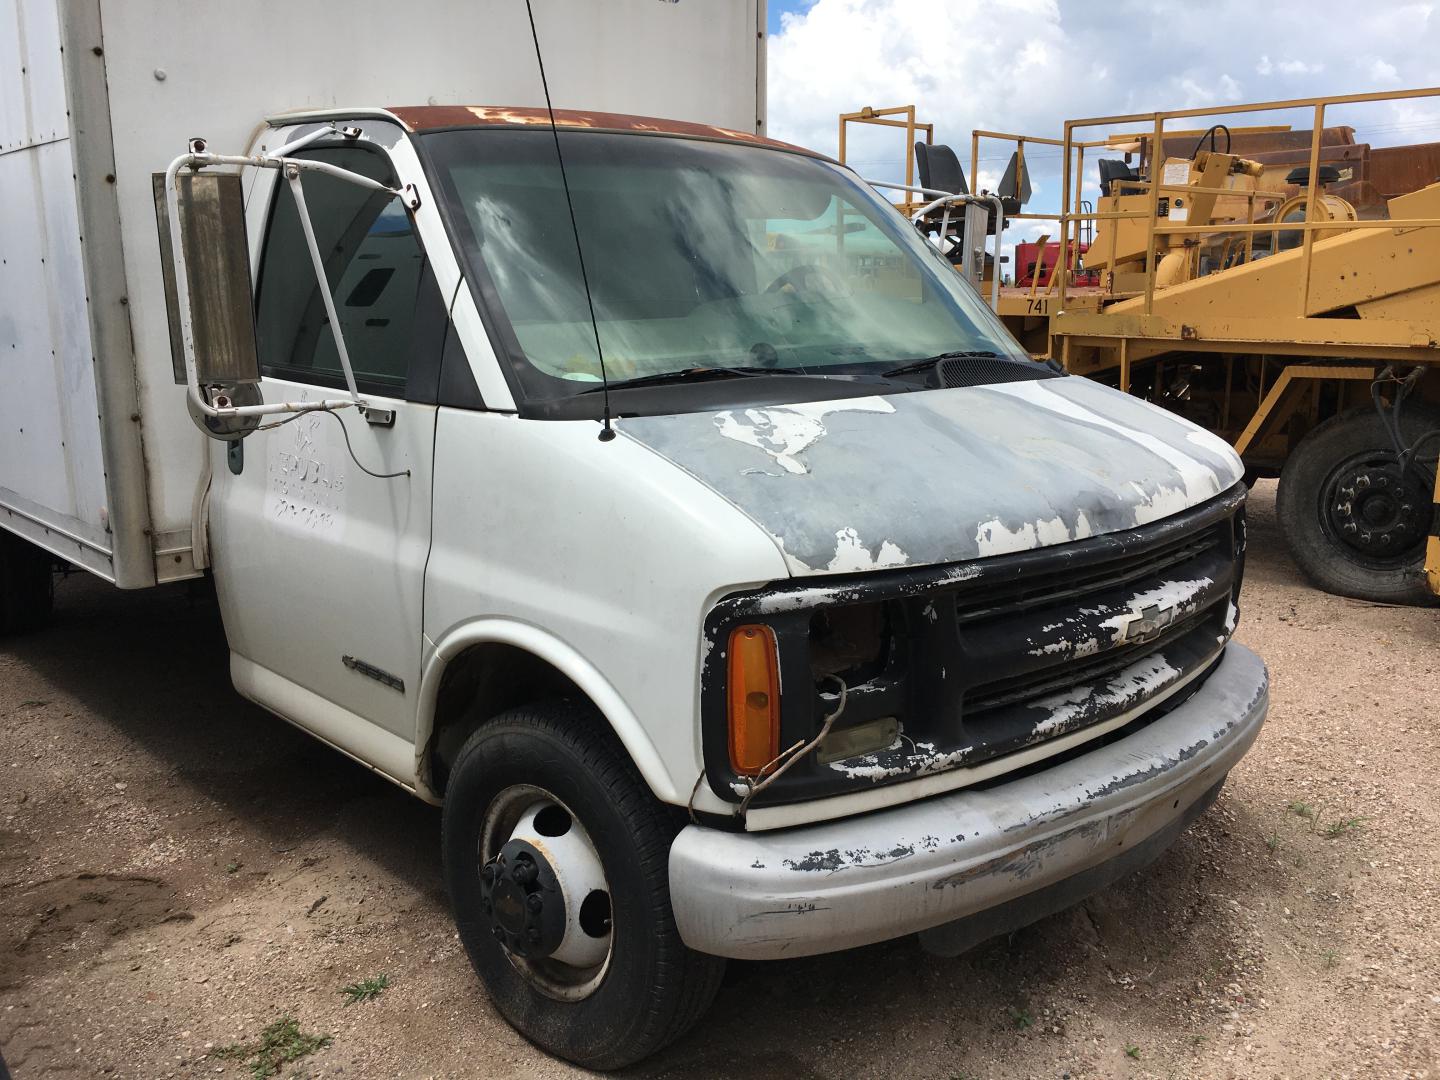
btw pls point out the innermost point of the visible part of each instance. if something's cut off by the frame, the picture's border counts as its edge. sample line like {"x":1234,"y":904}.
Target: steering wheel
{"x":808,"y":279}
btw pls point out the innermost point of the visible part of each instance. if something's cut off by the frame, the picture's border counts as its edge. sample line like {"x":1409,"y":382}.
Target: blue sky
{"x":777,"y":7}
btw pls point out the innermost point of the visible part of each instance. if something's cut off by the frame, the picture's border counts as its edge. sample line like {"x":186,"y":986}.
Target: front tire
{"x":27,"y":585}
{"x":550,"y":784}
{"x":1353,"y":523}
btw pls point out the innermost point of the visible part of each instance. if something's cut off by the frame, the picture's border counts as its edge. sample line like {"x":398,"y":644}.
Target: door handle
{"x":378,"y":417}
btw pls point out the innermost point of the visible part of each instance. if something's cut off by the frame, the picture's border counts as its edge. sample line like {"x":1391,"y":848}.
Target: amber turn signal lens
{"x":753,"y":690}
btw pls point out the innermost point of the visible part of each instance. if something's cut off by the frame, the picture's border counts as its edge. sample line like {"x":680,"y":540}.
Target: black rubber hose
{"x":1390,"y":415}
{"x":1210,"y":134}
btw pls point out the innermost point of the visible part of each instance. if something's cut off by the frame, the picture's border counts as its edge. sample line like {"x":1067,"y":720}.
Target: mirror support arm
{"x":297,"y":189}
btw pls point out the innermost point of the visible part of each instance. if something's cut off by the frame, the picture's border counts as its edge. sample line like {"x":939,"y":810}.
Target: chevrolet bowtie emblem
{"x":1138,"y":626}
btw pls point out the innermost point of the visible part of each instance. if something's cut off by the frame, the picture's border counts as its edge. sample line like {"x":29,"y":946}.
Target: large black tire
{"x":653,"y":988}
{"x":27,"y":585}
{"x":1353,"y":524}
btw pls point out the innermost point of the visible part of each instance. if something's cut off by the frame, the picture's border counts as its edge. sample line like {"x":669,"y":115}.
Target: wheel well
{"x":482,"y":682}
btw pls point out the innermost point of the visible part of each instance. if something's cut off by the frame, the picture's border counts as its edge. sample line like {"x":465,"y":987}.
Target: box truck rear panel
{"x":52,"y":473}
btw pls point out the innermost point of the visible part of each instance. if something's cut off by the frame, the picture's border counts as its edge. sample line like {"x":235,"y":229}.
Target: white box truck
{"x":645,"y":492}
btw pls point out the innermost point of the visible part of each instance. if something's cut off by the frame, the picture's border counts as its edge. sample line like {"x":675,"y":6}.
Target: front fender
{"x":563,"y":658}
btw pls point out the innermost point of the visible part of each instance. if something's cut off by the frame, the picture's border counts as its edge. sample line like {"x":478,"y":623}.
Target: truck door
{"x":320,"y":527}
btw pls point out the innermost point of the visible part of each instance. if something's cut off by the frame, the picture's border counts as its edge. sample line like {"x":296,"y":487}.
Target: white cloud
{"x":1028,"y":65}
{"x":1384,"y":72}
{"x":1198,"y":94}
{"x":841,"y":55}
{"x":1287,"y":67}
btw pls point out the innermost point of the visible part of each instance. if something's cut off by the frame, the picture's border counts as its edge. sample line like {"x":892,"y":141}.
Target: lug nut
{"x":523,"y":873}
{"x":534,"y":936}
{"x":487,"y":873}
{"x":535,"y":903}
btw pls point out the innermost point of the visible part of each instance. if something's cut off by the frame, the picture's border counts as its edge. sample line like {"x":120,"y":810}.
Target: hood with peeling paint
{"x":939,"y":476}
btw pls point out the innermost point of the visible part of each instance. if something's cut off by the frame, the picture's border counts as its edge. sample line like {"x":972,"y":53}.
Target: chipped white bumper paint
{"x":859,"y":880}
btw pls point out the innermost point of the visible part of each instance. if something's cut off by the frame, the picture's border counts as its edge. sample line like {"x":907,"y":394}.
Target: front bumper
{"x":859,"y":880}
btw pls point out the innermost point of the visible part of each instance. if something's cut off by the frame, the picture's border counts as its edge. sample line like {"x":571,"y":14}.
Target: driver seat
{"x":940,"y":170}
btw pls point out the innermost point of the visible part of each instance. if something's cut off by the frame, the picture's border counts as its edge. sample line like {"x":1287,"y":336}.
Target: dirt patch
{"x":1288,"y":933}
{"x":75,"y":913}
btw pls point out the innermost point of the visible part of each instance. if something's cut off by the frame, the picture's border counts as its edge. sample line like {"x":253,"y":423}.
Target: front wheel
{"x":556,"y":860}
{"x":1354,"y":523}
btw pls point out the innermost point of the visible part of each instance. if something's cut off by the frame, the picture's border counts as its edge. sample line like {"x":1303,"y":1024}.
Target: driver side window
{"x":376,"y":269}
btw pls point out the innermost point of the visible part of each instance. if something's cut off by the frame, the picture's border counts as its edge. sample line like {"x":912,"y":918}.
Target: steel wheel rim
{"x":1366,"y":496}
{"x":554,"y":978}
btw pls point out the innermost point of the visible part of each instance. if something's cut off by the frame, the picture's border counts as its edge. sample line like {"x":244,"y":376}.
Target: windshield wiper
{"x":699,"y":374}
{"x":930,"y":361}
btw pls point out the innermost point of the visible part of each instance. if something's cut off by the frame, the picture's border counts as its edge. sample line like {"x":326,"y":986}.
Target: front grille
{"x":1048,"y":653}
{"x":1013,"y":651}
{"x":1048,"y":682}
{"x":1066,"y":583}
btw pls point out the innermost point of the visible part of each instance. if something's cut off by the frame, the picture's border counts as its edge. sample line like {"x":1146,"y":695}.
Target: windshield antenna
{"x":606,"y":431}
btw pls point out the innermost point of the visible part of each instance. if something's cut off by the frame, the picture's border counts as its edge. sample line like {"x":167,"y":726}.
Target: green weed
{"x":1343,"y":826}
{"x":366,"y":989}
{"x":280,"y":1043}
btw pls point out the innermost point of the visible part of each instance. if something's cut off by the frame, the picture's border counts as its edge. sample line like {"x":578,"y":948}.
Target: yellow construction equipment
{"x":1280,"y":288}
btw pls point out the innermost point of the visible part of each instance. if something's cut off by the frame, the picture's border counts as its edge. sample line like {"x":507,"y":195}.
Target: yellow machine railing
{"x":1073,"y":216}
{"x":889,"y":118}
{"x":1022,"y":169}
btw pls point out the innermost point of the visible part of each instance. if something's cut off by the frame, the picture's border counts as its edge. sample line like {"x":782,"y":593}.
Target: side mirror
{"x":217,"y":271}
{"x":214,"y":356}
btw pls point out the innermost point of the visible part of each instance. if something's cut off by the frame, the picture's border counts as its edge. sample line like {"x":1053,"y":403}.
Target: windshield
{"x":699,"y":255}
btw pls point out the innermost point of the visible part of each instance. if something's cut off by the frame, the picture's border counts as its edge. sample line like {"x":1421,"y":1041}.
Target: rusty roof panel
{"x":429,"y":117}
{"x":1399,"y":170}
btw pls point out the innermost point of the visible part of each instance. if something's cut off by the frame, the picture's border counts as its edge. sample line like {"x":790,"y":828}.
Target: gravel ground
{"x":179,"y":869}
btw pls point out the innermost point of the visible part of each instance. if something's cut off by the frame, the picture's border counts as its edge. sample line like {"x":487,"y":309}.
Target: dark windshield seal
{"x":701,"y":256}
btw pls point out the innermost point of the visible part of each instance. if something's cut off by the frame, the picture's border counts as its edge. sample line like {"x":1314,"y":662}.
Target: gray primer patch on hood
{"x":941,"y":476}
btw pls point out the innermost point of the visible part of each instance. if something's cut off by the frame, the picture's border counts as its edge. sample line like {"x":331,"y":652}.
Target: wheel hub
{"x":543,"y":893}
{"x":521,"y":897}
{"x":1375,"y":511}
